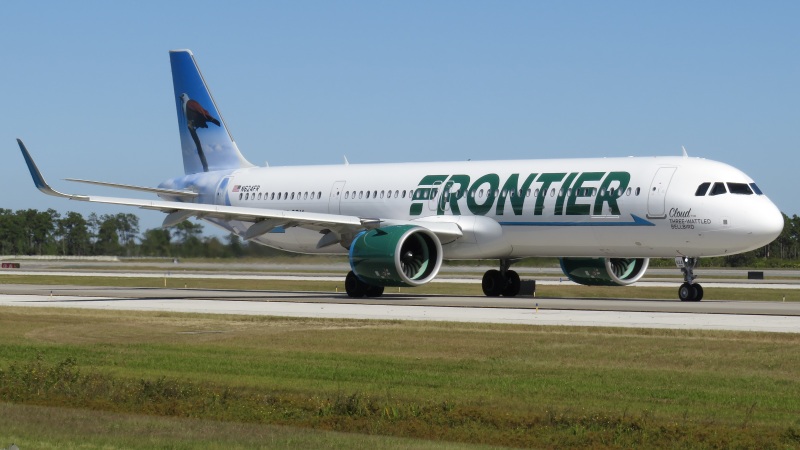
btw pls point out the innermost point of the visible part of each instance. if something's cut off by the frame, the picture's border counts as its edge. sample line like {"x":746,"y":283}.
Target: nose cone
{"x":769,"y":222}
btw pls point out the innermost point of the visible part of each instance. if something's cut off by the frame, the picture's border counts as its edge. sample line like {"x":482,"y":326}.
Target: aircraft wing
{"x":265,"y":220}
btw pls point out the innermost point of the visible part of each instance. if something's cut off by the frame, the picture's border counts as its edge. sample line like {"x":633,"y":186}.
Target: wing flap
{"x":175,"y":192}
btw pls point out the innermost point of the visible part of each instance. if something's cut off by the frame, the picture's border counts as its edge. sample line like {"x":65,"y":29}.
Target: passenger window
{"x":739,"y":188}
{"x":718,"y":189}
{"x":382,"y":192}
{"x":702,"y":189}
{"x":396,"y":194}
{"x":756,"y":189}
{"x":367,"y":194}
{"x":360,"y":194}
{"x":628,"y":191}
{"x":346,"y":195}
{"x":638,"y":190}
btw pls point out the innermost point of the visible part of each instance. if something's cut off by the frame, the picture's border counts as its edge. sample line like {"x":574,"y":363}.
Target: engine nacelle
{"x":604,"y":271}
{"x":399,"y":255}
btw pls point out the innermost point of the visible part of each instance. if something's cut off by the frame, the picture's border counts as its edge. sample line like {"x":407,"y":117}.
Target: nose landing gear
{"x":689,"y":290}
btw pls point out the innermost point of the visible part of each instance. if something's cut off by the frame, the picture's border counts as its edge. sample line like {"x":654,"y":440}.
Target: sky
{"x":87,"y":85}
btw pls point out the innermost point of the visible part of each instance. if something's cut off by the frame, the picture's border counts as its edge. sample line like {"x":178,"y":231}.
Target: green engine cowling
{"x":398,"y":255}
{"x":604,"y":271}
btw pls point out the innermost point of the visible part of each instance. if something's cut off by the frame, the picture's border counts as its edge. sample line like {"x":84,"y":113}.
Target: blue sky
{"x":87,"y":85}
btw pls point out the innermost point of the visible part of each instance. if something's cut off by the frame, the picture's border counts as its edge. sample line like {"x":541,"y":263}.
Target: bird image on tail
{"x":197,"y":117}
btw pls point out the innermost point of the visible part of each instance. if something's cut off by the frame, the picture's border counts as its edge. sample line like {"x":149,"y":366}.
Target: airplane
{"x":604,"y":218}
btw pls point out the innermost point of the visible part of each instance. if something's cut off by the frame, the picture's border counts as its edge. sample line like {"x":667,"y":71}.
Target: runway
{"x":706,"y":315}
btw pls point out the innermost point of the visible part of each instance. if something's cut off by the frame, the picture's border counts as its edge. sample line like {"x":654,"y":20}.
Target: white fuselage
{"x":603,"y":207}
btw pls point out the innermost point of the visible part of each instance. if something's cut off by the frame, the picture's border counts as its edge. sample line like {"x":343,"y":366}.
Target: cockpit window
{"x":718,"y":189}
{"x":756,"y":189}
{"x":702,"y":189}
{"x":739,"y":188}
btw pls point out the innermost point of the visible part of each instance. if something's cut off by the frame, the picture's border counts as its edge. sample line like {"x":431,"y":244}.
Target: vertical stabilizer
{"x":206,"y":143}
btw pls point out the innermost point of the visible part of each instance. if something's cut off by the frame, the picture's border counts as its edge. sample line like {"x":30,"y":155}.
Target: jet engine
{"x":604,"y":271}
{"x":398,"y":255}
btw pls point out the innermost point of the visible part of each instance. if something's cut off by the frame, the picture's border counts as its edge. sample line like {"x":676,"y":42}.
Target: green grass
{"x":525,"y":386}
{"x":542,"y":291}
{"x":43,"y":427}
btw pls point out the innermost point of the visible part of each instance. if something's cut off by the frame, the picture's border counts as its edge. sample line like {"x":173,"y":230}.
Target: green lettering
{"x":510,"y":189}
{"x":423,"y":192}
{"x":562,"y":193}
{"x":546,"y":179}
{"x":454,"y":190}
{"x":622,"y":179}
{"x":581,"y":191}
{"x":480,"y":209}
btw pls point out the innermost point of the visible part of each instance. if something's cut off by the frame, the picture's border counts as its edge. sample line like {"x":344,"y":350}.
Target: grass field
{"x":98,"y":379}
{"x":542,"y":291}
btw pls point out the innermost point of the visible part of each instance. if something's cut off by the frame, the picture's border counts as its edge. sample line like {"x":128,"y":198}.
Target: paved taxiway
{"x":708,"y":315}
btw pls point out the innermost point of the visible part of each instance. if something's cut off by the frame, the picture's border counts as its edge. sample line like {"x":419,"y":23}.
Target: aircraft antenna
{"x":685,"y":155}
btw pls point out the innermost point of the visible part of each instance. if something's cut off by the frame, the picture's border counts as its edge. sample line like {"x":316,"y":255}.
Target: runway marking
{"x":626,"y":319}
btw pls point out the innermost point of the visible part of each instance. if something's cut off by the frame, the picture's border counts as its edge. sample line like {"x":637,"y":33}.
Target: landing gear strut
{"x":501,"y":282}
{"x":689,"y":290}
{"x":356,"y":288}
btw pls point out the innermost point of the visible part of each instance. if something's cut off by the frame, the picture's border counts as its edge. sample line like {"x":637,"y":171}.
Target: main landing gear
{"x":501,"y":282}
{"x":689,"y":290}
{"x":356,"y":288}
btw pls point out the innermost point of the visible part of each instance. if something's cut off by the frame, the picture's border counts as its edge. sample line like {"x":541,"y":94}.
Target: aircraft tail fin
{"x":206,"y":143}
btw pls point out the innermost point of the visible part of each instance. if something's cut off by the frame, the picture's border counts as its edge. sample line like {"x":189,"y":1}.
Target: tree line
{"x":33,"y":232}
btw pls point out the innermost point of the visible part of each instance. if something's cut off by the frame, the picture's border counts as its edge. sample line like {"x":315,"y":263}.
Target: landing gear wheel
{"x":686,"y":292}
{"x":493,"y":283}
{"x":698,"y":292}
{"x":690,"y":292}
{"x":374,"y":291}
{"x":512,"y":285}
{"x":355,"y":288}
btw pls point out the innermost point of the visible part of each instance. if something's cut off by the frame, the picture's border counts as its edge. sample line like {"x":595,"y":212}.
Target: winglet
{"x":38,"y":179}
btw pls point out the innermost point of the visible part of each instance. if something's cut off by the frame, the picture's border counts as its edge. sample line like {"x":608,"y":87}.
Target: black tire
{"x":493,"y":283}
{"x":698,"y":292}
{"x":355,"y":288}
{"x":687,"y":292}
{"x":511,"y":288}
{"x":374,"y":291}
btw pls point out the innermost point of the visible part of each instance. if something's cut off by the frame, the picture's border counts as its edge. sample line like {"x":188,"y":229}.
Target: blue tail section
{"x":206,"y":143}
